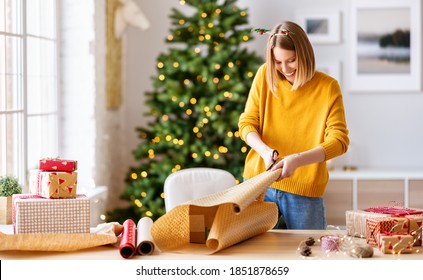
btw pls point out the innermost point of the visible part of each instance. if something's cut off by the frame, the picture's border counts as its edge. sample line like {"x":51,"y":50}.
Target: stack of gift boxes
{"x":393,"y":230}
{"x":52,"y":204}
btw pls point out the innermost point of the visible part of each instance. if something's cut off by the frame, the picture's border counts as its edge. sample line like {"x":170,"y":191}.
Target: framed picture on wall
{"x":385,"y":46}
{"x":321,"y":27}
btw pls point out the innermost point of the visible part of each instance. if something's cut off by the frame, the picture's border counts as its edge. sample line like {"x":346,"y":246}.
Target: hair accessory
{"x":262,"y":31}
{"x":285,"y":32}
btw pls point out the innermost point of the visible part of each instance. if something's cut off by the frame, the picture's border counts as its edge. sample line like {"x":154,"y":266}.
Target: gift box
{"x":356,"y":219}
{"x":36,"y":214}
{"x":395,"y":243}
{"x":58,"y":164}
{"x":403,"y":225}
{"x":58,"y":184}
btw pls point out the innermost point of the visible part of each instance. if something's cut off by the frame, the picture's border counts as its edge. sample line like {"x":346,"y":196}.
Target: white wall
{"x":77,"y":86}
{"x":91,"y":133}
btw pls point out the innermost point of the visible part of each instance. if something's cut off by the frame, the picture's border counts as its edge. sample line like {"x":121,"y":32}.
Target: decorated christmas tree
{"x":199,"y":92}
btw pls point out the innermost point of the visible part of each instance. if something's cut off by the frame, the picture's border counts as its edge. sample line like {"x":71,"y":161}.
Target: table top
{"x":272,"y":245}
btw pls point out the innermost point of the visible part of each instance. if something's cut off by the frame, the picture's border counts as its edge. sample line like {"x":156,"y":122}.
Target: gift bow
{"x":399,"y":212}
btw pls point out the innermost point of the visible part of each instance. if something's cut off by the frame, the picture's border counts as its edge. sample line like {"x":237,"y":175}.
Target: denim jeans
{"x":298,"y":212}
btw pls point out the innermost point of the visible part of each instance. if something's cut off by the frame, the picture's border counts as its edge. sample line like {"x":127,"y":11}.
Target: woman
{"x":296,"y":114}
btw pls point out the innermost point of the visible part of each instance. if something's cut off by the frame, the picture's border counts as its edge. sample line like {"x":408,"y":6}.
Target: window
{"x":28,"y":84}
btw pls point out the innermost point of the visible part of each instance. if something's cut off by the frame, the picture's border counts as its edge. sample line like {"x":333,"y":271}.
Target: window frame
{"x":19,"y":157}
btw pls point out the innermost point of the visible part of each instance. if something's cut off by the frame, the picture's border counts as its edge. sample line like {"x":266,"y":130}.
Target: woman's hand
{"x":268,"y":154}
{"x":269,"y":158}
{"x":288,"y":165}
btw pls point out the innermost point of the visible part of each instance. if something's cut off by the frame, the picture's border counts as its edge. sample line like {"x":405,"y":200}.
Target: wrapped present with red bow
{"x":395,"y":243}
{"x":394,"y":225}
{"x":58,"y":164}
{"x":58,"y":184}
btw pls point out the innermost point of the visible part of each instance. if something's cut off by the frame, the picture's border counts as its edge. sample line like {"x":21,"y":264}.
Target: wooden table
{"x":272,"y":245}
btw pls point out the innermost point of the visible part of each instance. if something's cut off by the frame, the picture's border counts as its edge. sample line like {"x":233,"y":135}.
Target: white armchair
{"x":191,"y":183}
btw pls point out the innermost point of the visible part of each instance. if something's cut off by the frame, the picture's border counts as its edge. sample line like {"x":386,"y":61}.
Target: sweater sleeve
{"x":336,"y":138}
{"x":249,"y":120}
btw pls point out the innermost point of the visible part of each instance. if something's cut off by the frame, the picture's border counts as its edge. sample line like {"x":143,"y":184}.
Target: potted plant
{"x":9,"y":185}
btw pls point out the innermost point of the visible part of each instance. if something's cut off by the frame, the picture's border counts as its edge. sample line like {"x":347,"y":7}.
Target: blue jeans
{"x":298,"y":212}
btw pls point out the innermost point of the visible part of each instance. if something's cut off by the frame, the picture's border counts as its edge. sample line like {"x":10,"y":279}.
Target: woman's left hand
{"x":288,"y":165}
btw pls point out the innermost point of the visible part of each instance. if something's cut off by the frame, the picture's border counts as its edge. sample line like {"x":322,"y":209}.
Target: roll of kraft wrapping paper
{"x":128,"y":239}
{"x":145,"y":243}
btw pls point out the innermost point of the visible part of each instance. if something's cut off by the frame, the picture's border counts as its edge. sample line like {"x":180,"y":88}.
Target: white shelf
{"x":377,"y":174}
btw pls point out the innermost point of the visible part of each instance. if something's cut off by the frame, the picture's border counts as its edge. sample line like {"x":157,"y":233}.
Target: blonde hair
{"x":290,"y":36}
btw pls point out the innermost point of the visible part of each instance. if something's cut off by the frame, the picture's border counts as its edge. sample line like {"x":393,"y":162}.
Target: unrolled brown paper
{"x":233,"y":215}
{"x":53,"y":241}
{"x":59,"y":242}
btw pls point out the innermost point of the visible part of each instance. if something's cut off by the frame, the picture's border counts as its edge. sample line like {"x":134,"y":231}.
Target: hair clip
{"x":285,"y":32}
{"x":261,"y":30}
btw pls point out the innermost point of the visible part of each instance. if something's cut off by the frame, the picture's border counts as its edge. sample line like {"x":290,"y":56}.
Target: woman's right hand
{"x":269,"y":158}
{"x":268,"y":154}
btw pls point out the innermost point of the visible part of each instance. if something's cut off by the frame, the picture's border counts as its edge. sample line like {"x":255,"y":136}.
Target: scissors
{"x":275,"y":155}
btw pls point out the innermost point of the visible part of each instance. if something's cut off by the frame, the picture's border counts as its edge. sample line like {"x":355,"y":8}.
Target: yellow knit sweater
{"x":293,"y":122}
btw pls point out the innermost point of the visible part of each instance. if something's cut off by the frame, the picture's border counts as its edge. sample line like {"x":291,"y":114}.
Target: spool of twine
{"x":330,"y":243}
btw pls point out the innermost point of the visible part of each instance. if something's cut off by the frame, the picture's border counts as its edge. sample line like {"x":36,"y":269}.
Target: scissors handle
{"x":275,"y":155}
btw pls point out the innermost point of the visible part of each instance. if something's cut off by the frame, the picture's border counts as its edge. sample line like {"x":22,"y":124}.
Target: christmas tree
{"x":199,"y":92}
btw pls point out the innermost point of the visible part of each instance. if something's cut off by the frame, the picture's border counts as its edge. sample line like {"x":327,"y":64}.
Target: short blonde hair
{"x":290,"y":36}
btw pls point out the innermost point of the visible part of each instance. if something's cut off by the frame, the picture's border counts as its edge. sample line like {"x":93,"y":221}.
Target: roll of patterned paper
{"x":128,"y":239}
{"x":330,"y":243}
{"x":145,"y":243}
